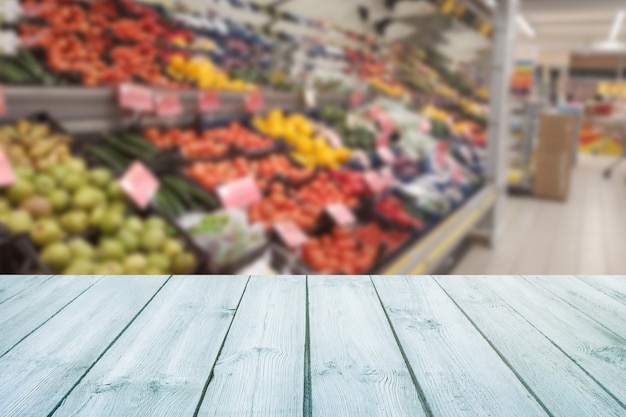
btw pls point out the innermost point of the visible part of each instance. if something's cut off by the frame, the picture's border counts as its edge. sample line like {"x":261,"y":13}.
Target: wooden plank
{"x":615,"y":286}
{"x":459,"y":373}
{"x":161,"y":363}
{"x":260,"y":371}
{"x":558,"y":383}
{"x":357,"y":368}
{"x":11,"y":285}
{"x":38,"y":373}
{"x":595,"y":348}
{"x":595,"y":304}
{"x":29,"y":309}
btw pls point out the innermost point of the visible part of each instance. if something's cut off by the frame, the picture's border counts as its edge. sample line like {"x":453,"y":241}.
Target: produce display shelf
{"x":427,"y":254}
{"x":86,"y":110}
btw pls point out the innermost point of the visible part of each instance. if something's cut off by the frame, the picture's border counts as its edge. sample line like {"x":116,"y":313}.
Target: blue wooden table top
{"x":313,"y":346}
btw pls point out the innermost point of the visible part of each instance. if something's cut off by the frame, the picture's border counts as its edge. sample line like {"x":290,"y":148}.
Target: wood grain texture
{"x":357,"y":368}
{"x":561,"y":385}
{"x":11,"y":285}
{"x":25,"y":311}
{"x":588,"y":300}
{"x":37,"y":374}
{"x":460,"y":374}
{"x":615,"y":286}
{"x":160,"y":364}
{"x":260,"y":371}
{"x":599,"y":351}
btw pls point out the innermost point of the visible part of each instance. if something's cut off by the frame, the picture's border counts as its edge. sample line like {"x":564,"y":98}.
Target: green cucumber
{"x":107,"y":157}
{"x":12,"y":73}
{"x":139,"y":143}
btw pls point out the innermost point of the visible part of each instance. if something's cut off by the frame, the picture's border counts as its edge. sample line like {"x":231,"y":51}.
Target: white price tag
{"x":9,"y":43}
{"x":310,"y":98}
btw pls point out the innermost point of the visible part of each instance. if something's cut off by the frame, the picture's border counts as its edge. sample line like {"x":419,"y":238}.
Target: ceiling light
{"x":523,"y":23}
{"x":617,"y":26}
{"x":490,"y":3}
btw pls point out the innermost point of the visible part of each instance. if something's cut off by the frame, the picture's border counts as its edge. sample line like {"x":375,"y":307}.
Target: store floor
{"x":317,"y":346}
{"x":585,"y":235}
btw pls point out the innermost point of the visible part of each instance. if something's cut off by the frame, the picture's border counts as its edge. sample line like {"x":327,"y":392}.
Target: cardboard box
{"x":556,"y":133}
{"x":552,"y":175}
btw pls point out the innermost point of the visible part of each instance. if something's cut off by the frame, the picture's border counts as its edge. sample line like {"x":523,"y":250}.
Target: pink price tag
{"x":457,"y":174}
{"x":425,"y":126}
{"x":133,"y":97}
{"x":290,"y":234}
{"x":208,"y":101}
{"x":333,"y":138}
{"x":253,"y":101}
{"x":356,"y":98}
{"x":385,"y":122}
{"x":374,"y":182}
{"x":440,"y":158}
{"x":386,"y":176}
{"x":139,"y":184}
{"x":382,"y":140}
{"x":167,"y":105}
{"x":239,"y":194}
{"x":3,"y":102}
{"x":7,"y":176}
{"x":386,"y":155}
{"x":360,"y":156}
{"x":340,"y":214}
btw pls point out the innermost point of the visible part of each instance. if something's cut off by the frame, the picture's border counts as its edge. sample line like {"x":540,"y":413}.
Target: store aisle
{"x":586,"y":235}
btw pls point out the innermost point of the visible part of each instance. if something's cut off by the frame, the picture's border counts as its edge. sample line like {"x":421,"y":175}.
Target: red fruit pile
{"x":75,"y":39}
{"x":275,"y":165}
{"x":241,"y":137}
{"x":351,"y":182}
{"x":279,"y":207}
{"x":339,"y":252}
{"x":322,"y":191}
{"x":189,"y":141}
{"x":393,"y":208}
{"x":212,"y":174}
{"x":371,"y":232}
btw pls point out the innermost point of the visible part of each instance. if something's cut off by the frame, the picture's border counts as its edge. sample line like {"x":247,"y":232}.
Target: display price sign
{"x":386,"y":177}
{"x":290,"y":234}
{"x":253,"y":101}
{"x":136,"y":98}
{"x":239,"y":194}
{"x":386,"y":155}
{"x":374,"y":182}
{"x":425,"y":126}
{"x":340,"y":214}
{"x":7,"y":176}
{"x":208,"y":101}
{"x":360,"y":156}
{"x":382,"y":140}
{"x":167,"y":105}
{"x":3,"y":102}
{"x":139,"y":184}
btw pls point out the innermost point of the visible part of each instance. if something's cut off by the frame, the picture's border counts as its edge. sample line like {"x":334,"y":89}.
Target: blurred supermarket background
{"x":302,"y":136}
